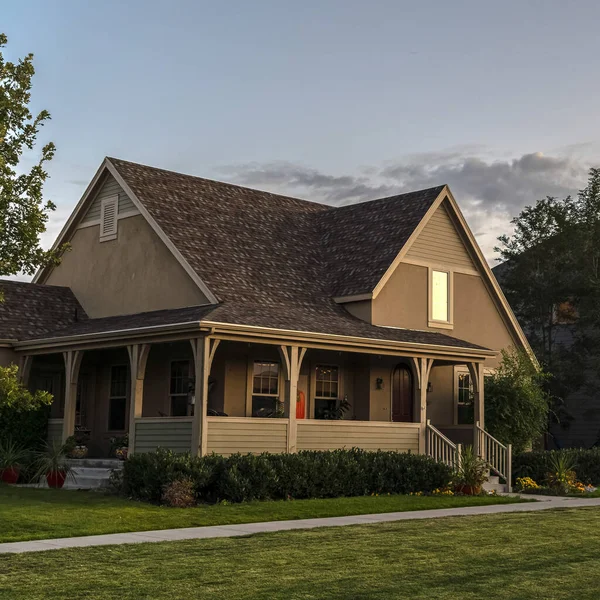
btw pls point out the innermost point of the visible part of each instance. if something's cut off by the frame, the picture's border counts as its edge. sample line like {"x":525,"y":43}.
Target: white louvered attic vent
{"x":108,"y":218}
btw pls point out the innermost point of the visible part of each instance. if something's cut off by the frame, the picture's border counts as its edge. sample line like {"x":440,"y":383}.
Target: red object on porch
{"x":301,"y":406}
{"x":10,"y":475}
{"x":56,"y":479}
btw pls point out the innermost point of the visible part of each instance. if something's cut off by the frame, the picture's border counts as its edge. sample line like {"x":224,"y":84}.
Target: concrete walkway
{"x":219,"y":531}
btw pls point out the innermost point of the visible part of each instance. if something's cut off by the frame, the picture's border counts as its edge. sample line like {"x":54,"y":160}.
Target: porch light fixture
{"x":379,"y":383}
{"x":429,"y":387}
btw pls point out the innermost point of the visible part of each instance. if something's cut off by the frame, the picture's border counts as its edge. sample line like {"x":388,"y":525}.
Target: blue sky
{"x":332,"y":101}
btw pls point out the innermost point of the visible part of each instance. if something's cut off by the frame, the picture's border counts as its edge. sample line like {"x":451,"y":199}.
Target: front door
{"x":402,"y":395}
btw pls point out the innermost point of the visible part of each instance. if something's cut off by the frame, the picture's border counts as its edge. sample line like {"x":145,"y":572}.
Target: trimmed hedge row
{"x":537,"y":464}
{"x":241,"y":478}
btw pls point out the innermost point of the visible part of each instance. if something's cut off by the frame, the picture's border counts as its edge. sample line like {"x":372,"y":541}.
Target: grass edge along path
{"x":37,"y":514}
{"x":533,"y":556}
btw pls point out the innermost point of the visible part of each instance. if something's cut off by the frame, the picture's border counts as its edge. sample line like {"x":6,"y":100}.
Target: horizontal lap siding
{"x":176,"y":436}
{"x":324,"y":436}
{"x":253,"y":436}
{"x":439,"y":242}
{"x":110,"y":188}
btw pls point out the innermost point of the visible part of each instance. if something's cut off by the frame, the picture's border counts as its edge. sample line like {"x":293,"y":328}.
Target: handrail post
{"x":509,"y":467}
{"x":476,"y":438}
{"x":458,"y":456}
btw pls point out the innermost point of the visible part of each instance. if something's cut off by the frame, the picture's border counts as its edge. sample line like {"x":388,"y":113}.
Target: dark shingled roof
{"x":30,"y":309}
{"x":294,"y":318}
{"x":254,"y":246}
{"x":273,"y":261}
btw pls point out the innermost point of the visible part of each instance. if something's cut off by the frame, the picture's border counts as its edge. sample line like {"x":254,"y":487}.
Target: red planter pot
{"x":56,"y":479}
{"x":468,"y":490}
{"x":10,"y":475}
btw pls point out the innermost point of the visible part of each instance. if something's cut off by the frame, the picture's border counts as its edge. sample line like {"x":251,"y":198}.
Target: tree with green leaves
{"x":517,"y":404}
{"x":551,"y":277}
{"x":23,"y":211}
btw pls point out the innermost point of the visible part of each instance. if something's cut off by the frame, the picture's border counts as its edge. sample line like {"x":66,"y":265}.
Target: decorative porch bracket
{"x":422,"y":368}
{"x":204,"y":349}
{"x":478,"y":379}
{"x":138,"y":357}
{"x":25,"y":368}
{"x":291,"y":358}
{"x":72,"y":360}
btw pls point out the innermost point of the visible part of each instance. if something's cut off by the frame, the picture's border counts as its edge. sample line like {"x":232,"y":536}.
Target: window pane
{"x":266,"y":378}
{"x":263,"y":406}
{"x":116,"y":414}
{"x":180,"y":371}
{"x":439,"y":296}
{"x":333,"y":390}
{"x":118,"y":381}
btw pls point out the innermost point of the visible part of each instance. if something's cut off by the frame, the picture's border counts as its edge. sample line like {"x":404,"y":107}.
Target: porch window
{"x":326,"y":391}
{"x":465,"y":414}
{"x":440,"y":296}
{"x":179,"y":388}
{"x":265,"y":389}
{"x":117,"y":402}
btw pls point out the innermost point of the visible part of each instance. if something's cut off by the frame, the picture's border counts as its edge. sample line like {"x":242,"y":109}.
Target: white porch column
{"x":72,"y":363}
{"x":204,"y":349}
{"x":478,"y":379}
{"x":138,"y":357}
{"x":292,"y":357}
{"x":422,"y":368}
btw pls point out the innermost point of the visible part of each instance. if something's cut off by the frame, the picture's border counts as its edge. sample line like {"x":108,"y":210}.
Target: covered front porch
{"x":227,"y":391}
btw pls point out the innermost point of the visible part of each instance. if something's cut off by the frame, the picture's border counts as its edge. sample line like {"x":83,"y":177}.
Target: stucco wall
{"x":8,"y":356}
{"x":134,"y":273}
{"x":403,"y":302}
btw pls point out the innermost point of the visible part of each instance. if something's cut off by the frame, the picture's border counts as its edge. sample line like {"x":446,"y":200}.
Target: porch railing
{"x":496,"y":454}
{"x":440,"y":448}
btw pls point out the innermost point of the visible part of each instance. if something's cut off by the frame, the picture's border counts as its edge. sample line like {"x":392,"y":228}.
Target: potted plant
{"x":11,"y":460}
{"x":52,"y":464}
{"x":471,"y":473}
{"x":119,"y":446}
{"x":74,"y":448}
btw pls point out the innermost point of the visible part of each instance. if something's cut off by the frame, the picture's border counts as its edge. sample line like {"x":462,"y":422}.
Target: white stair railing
{"x":496,"y":454}
{"x":440,"y":448}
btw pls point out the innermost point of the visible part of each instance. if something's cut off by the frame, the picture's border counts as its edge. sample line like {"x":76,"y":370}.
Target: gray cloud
{"x":489,"y":190}
{"x":285,"y":176}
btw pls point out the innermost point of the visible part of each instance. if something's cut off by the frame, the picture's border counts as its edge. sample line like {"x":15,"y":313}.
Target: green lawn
{"x":546,"y":555}
{"x":28,"y":514}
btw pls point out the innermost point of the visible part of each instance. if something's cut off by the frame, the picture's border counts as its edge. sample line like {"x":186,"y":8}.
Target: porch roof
{"x":328,"y":319}
{"x":30,"y":309}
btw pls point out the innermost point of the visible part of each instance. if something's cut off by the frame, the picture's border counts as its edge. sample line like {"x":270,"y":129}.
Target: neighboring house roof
{"x":300,"y":319}
{"x":29,"y":309}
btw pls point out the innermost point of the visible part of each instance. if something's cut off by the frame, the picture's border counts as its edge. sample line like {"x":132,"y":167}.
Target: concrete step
{"x":493,"y":479}
{"x":499,"y":488}
{"x":96,"y":463}
{"x":86,"y":483}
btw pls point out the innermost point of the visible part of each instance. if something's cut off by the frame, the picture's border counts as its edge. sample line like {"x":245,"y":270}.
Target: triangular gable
{"x":443,"y":217}
{"x":84,"y":213}
{"x":440,"y":242}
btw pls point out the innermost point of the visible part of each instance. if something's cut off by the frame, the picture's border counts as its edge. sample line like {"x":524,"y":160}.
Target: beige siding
{"x":228,"y":435}
{"x":134,"y":273}
{"x":55,"y":430}
{"x":173,"y":433}
{"x":329,"y":435}
{"x":109,"y":188}
{"x":440,"y":242}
